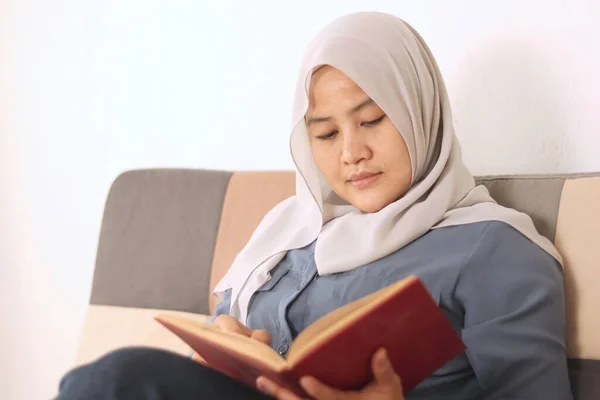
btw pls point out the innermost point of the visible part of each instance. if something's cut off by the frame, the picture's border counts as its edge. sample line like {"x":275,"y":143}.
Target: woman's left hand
{"x":386,"y":385}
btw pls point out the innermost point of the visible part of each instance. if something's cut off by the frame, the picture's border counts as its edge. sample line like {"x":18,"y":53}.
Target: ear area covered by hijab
{"x":389,"y":60}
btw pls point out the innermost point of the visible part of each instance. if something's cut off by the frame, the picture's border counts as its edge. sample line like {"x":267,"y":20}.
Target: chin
{"x":368,"y":201}
{"x":374,"y":200}
{"x":370,"y":206}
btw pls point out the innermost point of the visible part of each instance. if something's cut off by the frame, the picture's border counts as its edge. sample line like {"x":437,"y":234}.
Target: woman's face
{"x":356,"y":146}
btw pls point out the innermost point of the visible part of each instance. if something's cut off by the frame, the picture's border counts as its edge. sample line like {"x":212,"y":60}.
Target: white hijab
{"x":389,"y":60}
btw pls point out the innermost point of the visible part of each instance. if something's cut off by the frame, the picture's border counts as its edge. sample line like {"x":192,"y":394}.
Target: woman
{"x":381,"y":193}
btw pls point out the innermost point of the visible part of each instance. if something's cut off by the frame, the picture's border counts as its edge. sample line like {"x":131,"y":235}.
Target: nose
{"x":355,"y":149}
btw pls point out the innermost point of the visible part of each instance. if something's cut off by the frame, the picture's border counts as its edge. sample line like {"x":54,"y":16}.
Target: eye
{"x":327,"y":135}
{"x":374,"y":122}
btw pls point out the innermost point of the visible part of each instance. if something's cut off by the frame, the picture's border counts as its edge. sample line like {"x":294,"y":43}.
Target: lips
{"x":362,"y":180}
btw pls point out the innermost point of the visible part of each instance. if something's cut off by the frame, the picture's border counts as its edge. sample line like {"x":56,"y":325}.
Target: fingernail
{"x":264,"y":385}
{"x":382,"y":360}
{"x":305,"y":381}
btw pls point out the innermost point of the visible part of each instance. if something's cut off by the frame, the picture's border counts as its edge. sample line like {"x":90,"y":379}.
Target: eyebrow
{"x":315,"y":120}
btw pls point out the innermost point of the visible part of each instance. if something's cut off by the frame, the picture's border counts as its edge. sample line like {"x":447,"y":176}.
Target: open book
{"x":337,"y":348}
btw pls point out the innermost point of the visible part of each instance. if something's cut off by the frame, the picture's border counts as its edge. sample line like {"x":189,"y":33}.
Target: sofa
{"x":169,"y":235}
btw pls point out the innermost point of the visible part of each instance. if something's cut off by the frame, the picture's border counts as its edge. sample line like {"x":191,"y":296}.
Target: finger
{"x":383,"y":371}
{"x":198,"y":358}
{"x":272,"y":389}
{"x":229,"y":324}
{"x":261,"y":335}
{"x":319,"y":390}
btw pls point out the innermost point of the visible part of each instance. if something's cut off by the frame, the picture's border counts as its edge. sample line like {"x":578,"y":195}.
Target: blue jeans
{"x":144,"y":373}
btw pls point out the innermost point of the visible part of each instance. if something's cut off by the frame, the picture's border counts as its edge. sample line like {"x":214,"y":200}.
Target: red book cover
{"x":337,"y":349}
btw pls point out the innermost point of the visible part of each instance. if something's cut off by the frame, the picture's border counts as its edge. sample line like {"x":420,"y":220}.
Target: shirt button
{"x":283,"y":349}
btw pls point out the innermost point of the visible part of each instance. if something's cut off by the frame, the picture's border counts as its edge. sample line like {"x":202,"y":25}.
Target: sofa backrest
{"x":169,"y":235}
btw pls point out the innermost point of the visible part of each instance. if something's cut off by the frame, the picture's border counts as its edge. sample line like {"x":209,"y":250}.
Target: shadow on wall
{"x":510,"y":110}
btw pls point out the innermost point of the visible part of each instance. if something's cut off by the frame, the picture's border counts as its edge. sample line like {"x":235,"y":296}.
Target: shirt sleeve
{"x":513,"y":299}
{"x":223,"y":307}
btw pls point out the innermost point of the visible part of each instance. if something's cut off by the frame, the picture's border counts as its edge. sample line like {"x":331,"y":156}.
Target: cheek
{"x":394,"y":152}
{"x":404,"y":162}
{"x":395,"y":159}
{"x":327,"y":162}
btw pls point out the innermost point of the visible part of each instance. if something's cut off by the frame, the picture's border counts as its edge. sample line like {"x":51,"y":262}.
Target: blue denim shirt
{"x":501,"y":292}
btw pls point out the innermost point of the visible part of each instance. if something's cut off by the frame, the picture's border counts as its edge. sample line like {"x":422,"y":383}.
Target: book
{"x":337,"y":348}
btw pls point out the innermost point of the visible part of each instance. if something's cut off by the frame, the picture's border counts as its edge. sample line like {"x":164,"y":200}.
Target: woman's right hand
{"x":229,"y":324}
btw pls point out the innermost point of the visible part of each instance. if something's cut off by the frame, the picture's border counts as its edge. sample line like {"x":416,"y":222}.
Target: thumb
{"x":383,"y":371}
{"x":261,"y":335}
{"x":229,"y":324}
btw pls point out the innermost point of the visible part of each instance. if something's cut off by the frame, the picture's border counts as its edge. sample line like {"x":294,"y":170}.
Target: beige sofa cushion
{"x":108,"y":328}
{"x":250,"y":195}
{"x":578,"y":240}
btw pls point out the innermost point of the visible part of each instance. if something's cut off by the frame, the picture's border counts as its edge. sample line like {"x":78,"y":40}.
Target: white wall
{"x":89,"y":89}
